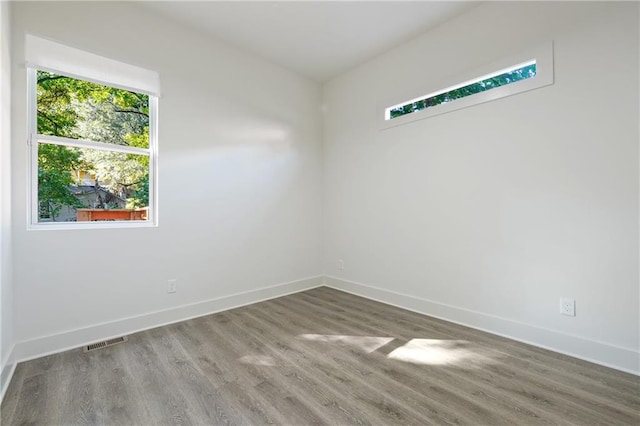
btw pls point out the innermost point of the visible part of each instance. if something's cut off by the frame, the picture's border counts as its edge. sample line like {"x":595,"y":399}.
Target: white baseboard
{"x":619,"y":358}
{"x":6,"y":372}
{"x":47,"y":345}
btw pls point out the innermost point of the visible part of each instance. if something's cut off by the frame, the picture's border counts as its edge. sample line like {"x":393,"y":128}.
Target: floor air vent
{"x":105,"y":344}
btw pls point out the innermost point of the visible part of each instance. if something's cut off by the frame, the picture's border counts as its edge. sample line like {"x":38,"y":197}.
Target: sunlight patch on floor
{"x":366,"y":343}
{"x":439,"y":352}
{"x":258,"y":360}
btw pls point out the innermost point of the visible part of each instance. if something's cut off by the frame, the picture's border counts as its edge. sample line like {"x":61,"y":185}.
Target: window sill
{"x":50,"y":226}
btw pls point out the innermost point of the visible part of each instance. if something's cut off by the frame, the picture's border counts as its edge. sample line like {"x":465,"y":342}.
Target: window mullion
{"x":84,"y":143}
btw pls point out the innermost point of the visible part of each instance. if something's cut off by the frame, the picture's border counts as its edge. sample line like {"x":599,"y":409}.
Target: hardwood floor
{"x":318,"y":357}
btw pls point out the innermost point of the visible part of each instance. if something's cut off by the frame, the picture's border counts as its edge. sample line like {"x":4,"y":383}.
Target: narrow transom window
{"x":462,"y":90}
{"x":529,"y":69}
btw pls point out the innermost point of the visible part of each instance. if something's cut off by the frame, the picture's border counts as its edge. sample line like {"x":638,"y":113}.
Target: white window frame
{"x":34,"y":139}
{"x":542,"y":55}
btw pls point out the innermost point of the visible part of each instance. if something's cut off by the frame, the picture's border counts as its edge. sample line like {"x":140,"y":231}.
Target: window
{"x":482,"y":84}
{"x":528,"y":70}
{"x":92,"y":149}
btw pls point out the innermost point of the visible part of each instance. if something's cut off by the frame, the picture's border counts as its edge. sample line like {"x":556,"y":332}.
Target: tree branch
{"x":127,"y":185}
{"x":50,"y":77}
{"x":56,"y":126}
{"x":131,"y":111}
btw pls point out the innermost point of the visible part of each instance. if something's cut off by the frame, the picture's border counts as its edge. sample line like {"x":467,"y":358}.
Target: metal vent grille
{"x":105,"y":344}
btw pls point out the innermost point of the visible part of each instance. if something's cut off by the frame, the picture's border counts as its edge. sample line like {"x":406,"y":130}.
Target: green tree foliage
{"x":73,"y":108}
{"x":55,"y":164}
{"x":481,"y":86}
{"x":140,"y":196}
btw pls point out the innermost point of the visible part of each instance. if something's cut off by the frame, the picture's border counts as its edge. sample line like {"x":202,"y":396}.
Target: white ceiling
{"x":318,"y":39}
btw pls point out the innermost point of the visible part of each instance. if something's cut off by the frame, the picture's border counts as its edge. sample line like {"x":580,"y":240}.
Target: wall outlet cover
{"x":568,"y":307}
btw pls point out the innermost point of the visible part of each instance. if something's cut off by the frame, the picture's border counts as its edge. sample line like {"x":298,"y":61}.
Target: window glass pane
{"x":78,"y":109}
{"x":83,"y":184}
{"x":479,"y":86}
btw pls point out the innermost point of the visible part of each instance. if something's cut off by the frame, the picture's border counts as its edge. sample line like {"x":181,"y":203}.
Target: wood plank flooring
{"x":318,"y":357}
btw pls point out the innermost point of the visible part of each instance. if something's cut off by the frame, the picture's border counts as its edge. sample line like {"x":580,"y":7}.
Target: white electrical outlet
{"x":172,"y":286}
{"x":568,"y":307}
{"x":340,"y":264}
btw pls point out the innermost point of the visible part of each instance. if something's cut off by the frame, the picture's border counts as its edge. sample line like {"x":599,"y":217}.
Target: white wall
{"x":488,"y":215}
{"x":485,"y":215}
{"x":6,"y":289}
{"x":240,"y":176}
